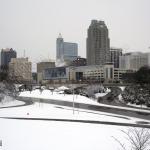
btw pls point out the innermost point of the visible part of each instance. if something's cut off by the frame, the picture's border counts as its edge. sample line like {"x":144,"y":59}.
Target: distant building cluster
{"x":18,"y":69}
{"x":102,"y":63}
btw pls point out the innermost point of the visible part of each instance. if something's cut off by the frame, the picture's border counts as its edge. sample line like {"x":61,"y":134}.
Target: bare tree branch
{"x":139,"y":139}
{"x":122,"y":145}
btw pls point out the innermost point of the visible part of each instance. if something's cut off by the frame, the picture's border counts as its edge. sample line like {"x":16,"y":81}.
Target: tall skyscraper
{"x":66,"y":51}
{"x":98,"y":45}
{"x":6,"y":55}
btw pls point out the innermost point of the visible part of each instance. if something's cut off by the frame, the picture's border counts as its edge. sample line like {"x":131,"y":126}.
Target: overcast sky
{"x":34,"y":25}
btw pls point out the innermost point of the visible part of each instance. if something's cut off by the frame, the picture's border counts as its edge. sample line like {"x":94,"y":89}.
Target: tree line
{"x":142,"y":76}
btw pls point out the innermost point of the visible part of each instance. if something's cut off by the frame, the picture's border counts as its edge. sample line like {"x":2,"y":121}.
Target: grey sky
{"x":34,"y":25}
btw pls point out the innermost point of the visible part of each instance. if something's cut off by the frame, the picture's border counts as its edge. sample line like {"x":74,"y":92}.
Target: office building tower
{"x":66,"y":51}
{"x":115,"y":53}
{"x":6,"y":55}
{"x":97,"y":50}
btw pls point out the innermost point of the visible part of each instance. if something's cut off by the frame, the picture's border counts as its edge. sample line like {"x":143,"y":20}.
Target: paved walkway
{"x":81,"y":121}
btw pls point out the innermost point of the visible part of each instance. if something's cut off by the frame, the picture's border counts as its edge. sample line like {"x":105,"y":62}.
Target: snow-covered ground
{"x":59,"y":135}
{"x":47,"y":94}
{"x":102,"y":94}
{"x":9,"y":101}
{"x":37,"y":134}
{"x":41,"y":110}
{"x":99,"y":95}
{"x":122,"y":88}
{"x":138,"y":106}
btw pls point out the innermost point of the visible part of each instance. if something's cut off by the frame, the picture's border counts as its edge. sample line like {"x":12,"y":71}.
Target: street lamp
{"x":73,"y":100}
{"x":72,"y":68}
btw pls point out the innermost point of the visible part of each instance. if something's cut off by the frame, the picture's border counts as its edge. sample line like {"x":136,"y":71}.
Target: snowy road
{"x":137,"y":113}
{"x":143,"y":124}
{"x":52,"y":112}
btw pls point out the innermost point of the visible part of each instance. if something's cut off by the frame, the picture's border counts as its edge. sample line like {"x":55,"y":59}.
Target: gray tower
{"x":97,"y":50}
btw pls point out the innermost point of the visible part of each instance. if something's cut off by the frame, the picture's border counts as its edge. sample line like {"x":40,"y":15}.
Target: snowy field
{"x":47,"y":94}
{"x":9,"y":101}
{"x":39,"y":135}
{"x":41,"y":110}
{"x":58,"y":135}
{"x":28,"y":134}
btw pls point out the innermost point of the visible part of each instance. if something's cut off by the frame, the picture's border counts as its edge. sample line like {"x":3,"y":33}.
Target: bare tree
{"x":137,"y":138}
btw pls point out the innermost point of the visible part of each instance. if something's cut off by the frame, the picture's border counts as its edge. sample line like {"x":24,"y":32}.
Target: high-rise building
{"x":115,"y":53}
{"x":66,"y":51}
{"x":20,"y":70}
{"x":6,"y":55}
{"x":98,"y":45}
{"x":134,"y":60}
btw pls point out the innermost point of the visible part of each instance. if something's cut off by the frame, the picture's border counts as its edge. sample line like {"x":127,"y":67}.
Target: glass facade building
{"x":66,"y":51}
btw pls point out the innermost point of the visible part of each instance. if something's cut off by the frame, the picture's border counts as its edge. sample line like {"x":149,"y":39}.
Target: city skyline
{"x":34,"y":25}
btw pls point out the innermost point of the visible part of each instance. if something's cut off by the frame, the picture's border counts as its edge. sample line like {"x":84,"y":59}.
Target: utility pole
{"x":73,"y":100}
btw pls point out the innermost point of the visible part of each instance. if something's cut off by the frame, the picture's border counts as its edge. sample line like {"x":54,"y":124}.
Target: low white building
{"x":20,"y":70}
{"x":134,"y":60}
{"x":92,"y":73}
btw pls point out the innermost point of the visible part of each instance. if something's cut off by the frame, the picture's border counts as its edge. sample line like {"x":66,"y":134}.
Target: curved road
{"x":118,"y":111}
{"x":107,"y":109}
